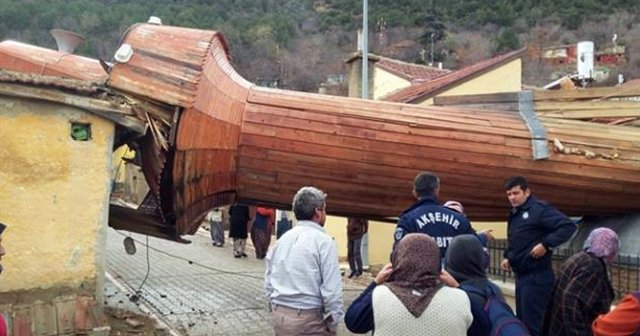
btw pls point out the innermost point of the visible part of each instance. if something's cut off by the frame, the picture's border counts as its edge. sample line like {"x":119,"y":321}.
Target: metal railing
{"x":624,"y":274}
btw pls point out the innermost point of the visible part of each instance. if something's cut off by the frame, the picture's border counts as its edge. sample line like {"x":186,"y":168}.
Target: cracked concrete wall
{"x":54,"y":196}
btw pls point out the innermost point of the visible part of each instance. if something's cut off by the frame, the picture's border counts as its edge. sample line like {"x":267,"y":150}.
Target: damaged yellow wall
{"x":54,"y":194}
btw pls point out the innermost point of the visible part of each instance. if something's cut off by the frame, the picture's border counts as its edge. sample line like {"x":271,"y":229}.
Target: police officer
{"x":429,"y":217}
{"x":534,"y":228}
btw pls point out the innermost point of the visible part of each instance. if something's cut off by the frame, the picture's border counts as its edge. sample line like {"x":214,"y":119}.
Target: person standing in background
{"x":239,"y":214}
{"x":214,"y":218}
{"x":284,"y":223}
{"x":533,"y":229}
{"x":356,"y":229}
{"x":582,"y":289}
{"x":261,"y":230}
{"x":3,"y":323}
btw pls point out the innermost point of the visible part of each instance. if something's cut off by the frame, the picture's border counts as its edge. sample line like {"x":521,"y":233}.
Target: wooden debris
{"x":559,"y":147}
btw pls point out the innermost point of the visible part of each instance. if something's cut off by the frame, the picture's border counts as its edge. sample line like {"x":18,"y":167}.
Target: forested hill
{"x":300,"y":42}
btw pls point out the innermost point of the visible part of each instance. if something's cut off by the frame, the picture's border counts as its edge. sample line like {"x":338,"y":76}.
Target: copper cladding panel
{"x":204,"y":171}
{"x":20,"y":57}
{"x":167,"y":62}
{"x":366,"y":153}
{"x":241,"y":142}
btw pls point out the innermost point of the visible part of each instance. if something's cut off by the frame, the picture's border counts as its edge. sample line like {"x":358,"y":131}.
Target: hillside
{"x":301,"y":42}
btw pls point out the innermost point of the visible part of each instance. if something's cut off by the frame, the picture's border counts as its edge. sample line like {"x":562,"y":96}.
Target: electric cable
{"x":209,"y":268}
{"x":136,"y":296}
{"x":191,"y":262}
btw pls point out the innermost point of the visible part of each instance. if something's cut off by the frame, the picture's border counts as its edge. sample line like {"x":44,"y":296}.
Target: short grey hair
{"x":306,"y":201}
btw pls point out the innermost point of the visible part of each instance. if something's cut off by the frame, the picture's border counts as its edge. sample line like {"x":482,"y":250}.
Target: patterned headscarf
{"x":416,"y":271}
{"x":602,"y":243}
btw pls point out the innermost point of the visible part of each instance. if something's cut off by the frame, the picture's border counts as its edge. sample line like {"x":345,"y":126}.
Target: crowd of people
{"x":243,"y":221}
{"x":436,"y":282}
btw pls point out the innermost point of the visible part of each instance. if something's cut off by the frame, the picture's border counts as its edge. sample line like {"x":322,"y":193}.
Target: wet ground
{"x":194,"y":289}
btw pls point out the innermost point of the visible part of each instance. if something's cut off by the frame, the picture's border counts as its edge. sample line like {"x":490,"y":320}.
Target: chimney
{"x":67,"y":41}
{"x":155,"y":20}
{"x":322,"y":89}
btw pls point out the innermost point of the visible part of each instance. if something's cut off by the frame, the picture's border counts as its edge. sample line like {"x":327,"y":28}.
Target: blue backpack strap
{"x":490,"y":291}
{"x":477,"y":297}
{"x":472,"y":289}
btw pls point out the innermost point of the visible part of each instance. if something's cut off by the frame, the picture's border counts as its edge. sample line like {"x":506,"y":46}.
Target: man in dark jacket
{"x":534,"y":228}
{"x":429,"y":217}
{"x":356,"y":228}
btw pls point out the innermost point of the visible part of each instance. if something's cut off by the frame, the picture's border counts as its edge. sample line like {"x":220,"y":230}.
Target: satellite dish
{"x":67,"y":41}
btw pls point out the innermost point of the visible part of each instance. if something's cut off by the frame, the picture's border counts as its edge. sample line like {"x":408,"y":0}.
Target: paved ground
{"x":197,"y":289}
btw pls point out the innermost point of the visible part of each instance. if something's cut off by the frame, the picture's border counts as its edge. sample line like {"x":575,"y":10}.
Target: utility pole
{"x":365,"y":49}
{"x":432,"y":36}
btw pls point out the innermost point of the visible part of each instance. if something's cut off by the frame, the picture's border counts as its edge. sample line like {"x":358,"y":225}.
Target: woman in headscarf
{"x":409,"y":298}
{"x":465,"y":265}
{"x":261,"y":230}
{"x":582,"y":289}
{"x":238,"y":230}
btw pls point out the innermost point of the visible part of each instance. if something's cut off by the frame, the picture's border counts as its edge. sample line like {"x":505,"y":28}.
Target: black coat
{"x":239,"y":220}
{"x":529,"y":224}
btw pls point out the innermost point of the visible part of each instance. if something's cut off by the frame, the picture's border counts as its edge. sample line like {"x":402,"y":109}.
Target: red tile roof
{"x":425,"y":90}
{"x":410,"y":71}
{"x":632,"y":82}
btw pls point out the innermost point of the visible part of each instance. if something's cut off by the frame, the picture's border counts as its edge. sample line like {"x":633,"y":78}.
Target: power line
{"x":191,"y":262}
